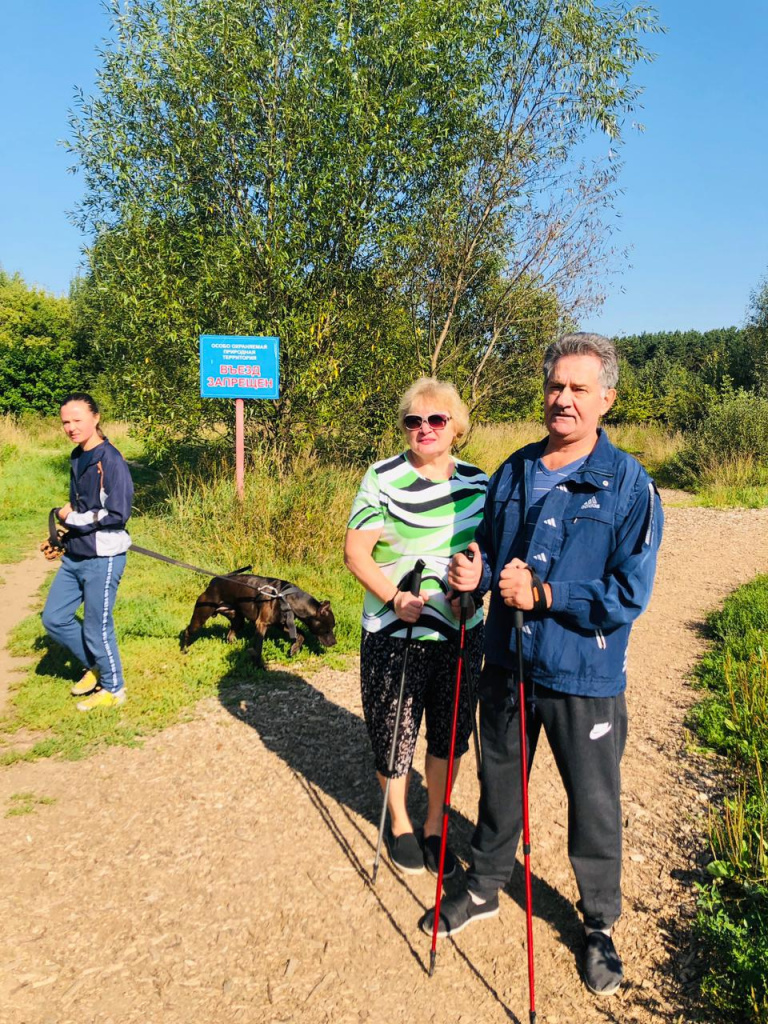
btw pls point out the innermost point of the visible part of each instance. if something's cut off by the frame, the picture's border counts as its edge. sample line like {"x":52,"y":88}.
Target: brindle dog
{"x":240,"y":597}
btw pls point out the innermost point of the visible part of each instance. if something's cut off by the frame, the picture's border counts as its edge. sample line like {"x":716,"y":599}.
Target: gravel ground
{"x":221,"y":872}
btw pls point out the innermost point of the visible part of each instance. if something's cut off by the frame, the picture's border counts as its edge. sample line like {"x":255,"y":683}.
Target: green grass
{"x":291,"y":525}
{"x":26,"y":803}
{"x":732,"y":919}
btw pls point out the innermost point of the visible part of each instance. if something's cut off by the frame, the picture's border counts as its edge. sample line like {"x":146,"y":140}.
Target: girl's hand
{"x":64,"y":511}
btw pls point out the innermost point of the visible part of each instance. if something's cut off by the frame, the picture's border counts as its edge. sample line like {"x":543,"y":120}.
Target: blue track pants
{"x":91,"y":582}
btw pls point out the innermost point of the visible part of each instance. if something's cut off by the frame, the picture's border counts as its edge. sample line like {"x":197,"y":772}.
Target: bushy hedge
{"x":735,"y":430}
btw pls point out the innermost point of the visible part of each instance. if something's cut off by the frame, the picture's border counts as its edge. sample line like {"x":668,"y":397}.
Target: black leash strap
{"x":186,"y":565}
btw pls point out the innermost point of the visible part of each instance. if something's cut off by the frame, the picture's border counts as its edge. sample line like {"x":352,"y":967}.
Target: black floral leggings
{"x":429,"y":688}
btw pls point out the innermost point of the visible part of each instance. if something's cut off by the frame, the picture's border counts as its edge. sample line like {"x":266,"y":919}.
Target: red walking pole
{"x":518,"y":620}
{"x":464,"y":604}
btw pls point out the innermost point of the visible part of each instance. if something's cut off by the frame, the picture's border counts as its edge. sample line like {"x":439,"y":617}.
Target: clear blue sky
{"x":695,"y":204}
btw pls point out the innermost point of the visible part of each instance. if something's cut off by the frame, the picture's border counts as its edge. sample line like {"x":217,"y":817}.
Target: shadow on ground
{"x":327,"y":748}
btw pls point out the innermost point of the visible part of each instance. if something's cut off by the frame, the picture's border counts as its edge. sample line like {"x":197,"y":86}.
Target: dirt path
{"x":20,"y":583}
{"x":221,"y":873}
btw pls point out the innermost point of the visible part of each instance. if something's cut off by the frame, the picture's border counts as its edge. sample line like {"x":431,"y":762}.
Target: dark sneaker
{"x":405,"y":852}
{"x":603,"y":972}
{"x":432,"y":857}
{"x":456,"y":912}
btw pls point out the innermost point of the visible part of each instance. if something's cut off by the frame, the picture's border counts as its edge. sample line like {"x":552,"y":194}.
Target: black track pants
{"x":587,"y":736}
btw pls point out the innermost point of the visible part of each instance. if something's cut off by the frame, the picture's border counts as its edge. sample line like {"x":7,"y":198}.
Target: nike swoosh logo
{"x":602,"y":729}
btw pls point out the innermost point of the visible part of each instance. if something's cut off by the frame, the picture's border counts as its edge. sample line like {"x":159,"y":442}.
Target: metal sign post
{"x":239,"y":367}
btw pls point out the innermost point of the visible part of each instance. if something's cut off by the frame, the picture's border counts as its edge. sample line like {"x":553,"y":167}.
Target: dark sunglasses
{"x":436,"y":420}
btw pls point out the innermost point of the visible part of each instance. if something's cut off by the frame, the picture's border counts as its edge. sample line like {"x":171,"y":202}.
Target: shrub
{"x":732,"y":437}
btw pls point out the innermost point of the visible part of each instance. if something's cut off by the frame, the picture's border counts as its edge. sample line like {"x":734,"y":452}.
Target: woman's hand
{"x":464,"y":574}
{"x":64,"y":511}
{"x":407,"y":606}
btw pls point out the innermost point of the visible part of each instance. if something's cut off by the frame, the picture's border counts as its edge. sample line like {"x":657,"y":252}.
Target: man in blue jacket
{"x":587,"y":519}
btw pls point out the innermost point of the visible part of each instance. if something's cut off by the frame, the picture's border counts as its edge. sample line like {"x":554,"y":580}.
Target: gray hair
{"x":584,"y":344}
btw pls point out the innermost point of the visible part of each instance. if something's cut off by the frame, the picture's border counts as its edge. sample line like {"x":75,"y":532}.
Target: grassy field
{"x":733,"y":719}
{"x":291,"y":525}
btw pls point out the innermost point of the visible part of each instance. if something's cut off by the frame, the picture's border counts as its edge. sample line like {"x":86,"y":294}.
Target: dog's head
{"x":321,"y":623}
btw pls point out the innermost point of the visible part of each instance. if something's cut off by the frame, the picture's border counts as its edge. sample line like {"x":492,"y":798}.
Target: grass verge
{"x":732,"y":919}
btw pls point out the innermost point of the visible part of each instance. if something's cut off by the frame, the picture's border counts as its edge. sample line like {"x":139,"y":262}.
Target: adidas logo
{"x":550,"y":522}
{"x":541,"y":557}
{"x":591,"y":503}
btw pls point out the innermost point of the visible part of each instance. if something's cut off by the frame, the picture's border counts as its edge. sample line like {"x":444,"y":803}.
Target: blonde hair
{"x":446,"y":397}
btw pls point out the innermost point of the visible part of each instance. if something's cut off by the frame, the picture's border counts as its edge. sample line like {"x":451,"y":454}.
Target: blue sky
{"x":695,"y":204}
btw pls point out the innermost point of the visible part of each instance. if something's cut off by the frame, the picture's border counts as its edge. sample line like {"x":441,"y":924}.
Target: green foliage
{"x":388,"y":187}
{"x":734,"y":430}
{"x":40,"y":358}
{"x":732,"y":919}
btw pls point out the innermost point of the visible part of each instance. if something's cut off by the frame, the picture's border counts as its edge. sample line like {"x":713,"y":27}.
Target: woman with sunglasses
{"x":424,"y":503}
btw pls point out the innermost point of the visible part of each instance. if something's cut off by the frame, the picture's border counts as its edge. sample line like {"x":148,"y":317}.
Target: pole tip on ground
{"x":432,"y":958}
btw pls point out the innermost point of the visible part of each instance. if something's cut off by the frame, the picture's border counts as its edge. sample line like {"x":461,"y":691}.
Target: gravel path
{"x":220,"y":873}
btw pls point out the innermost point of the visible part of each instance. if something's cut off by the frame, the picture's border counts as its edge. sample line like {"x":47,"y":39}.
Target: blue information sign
{"x":235,"y":366}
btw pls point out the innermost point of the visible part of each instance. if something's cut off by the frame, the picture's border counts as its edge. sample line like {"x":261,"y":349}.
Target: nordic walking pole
{"x":415,"y":588}
{"x":465,"y":602}
{"x":518,"y":621}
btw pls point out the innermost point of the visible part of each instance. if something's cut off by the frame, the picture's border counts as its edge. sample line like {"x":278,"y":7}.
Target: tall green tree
{"x":41,"y":358}
{"x":388,"y":186}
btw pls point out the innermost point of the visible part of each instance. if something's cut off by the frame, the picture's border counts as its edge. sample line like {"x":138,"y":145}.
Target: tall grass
{"x":491,"y":443}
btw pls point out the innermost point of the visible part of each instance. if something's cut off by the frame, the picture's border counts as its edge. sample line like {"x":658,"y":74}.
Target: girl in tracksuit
{"x":100,"y":493}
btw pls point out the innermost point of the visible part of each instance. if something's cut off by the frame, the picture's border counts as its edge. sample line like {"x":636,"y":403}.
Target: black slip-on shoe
{"x":405,"y":852}
{"x":456,"y":912}
{"x":603,"y":972}
{"x":432,"y":857}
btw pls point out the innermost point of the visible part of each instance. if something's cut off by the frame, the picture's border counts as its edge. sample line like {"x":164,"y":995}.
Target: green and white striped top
{"x":418,"y":518}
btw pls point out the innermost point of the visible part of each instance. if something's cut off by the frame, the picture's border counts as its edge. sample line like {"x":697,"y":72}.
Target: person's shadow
{"x":328,"y":750}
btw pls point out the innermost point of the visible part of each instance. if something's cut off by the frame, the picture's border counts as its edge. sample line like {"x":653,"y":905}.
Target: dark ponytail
{"x":81,"y":396}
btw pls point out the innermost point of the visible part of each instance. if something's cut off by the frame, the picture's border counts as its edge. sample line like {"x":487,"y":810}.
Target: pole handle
{"x":466,"y":604}
{"x":518,"y":618}
{"x":415,"y":577}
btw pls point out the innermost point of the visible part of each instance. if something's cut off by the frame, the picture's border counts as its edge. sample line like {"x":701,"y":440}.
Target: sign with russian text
{"x":235,"y":366}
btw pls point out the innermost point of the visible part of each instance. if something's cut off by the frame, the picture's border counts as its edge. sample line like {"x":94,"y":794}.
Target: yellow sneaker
{"x":87,"y":684}
{"x":102,"y":699}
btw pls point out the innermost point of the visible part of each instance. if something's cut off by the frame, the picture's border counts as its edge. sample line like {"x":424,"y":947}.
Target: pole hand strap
{"x":539,"y":594}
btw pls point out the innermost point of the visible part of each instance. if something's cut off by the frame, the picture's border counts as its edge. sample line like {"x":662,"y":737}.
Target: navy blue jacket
{"x":100,"y":493}
{"x":595,"y":543}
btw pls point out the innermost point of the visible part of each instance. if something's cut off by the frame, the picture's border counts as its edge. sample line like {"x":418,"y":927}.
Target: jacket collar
{"x":83,"y":459}
{"x":599,"y":465}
